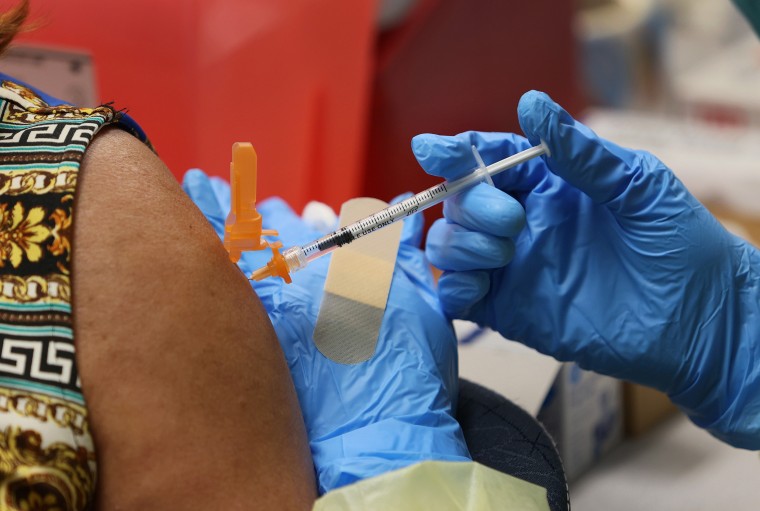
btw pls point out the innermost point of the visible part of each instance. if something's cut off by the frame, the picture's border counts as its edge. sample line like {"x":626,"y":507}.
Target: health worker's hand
{"x":394,"y":410}
{"x":614,"y":265}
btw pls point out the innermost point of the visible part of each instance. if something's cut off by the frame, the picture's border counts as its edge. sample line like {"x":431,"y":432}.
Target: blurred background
{"x":330,"y":93}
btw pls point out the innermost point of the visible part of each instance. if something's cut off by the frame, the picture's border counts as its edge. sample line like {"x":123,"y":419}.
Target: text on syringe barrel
{"x":297,"y":256}
{"x":382,"y":218}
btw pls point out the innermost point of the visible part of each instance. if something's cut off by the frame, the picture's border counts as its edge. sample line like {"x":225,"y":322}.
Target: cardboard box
{"x":644,"y":408}
{"x":584,"y":413}
{"x":743,"y":223}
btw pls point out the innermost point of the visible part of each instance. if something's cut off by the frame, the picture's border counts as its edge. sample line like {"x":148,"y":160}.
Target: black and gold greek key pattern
{"x":47,"y":456}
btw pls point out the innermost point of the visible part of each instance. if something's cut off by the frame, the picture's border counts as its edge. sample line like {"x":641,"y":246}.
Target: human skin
{"x":190,"y":400}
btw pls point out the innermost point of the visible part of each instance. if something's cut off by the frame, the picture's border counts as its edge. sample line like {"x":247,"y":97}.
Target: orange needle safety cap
{"x":242,"y":229}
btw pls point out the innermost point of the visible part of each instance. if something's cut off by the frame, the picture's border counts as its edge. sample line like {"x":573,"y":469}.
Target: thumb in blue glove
{"x":618,"y":267}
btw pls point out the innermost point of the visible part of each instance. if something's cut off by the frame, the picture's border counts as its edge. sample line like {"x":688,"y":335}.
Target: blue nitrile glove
{"x":366,"y":419}
{"x":618,"y":267}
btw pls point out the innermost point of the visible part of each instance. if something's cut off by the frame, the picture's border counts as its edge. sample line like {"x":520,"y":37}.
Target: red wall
{"x":289,"y":76}
{"x":462,"y":65}
{"x":329,"y":107}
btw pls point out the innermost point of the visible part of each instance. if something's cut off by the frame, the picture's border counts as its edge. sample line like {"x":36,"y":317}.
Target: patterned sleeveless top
{"x":47,"y":456}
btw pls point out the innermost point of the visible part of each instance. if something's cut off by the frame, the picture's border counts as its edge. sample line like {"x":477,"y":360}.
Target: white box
{"x":583,"y":411}
{"x":584,"y":414}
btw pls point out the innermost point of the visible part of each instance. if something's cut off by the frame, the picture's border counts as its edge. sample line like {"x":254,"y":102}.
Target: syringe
{"x":298,"y":257}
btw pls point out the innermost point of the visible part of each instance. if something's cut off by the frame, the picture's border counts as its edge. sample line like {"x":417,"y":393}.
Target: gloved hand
{"x":380,"y":415}
{"x":617,"y":267}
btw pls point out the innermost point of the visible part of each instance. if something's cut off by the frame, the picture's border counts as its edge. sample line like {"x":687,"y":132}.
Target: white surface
{"x":521,"y":374}
{"x":717,"y":164}
{"x":730,"y":78}
{"x":677,"y":467}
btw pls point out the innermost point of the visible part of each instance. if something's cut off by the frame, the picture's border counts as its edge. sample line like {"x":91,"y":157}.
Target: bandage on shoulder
{"x":356,"y":288}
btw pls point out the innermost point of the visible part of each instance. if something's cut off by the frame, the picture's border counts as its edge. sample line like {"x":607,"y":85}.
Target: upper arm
{"x":188,"y":393}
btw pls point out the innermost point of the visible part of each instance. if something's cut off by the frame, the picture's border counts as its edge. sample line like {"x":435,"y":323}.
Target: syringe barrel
{"x":408,"y":207}
{"x":385,"y":217}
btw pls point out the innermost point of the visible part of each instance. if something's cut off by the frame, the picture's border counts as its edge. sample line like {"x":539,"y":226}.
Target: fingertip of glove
{"x":193,"y":177}
{"x":420,"y":144}
{"x":534,"y":113}
{"x":459,"y":291}
{"x":275,"y":203}
{"x":542,"y":120}
{"x":441,"y":155}
{"x":425,"y":147}
{"x":221,"y":189}
{"x":219,"y":181}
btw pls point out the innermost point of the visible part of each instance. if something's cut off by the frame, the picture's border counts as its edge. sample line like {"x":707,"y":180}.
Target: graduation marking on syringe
{"x":298,"y":257}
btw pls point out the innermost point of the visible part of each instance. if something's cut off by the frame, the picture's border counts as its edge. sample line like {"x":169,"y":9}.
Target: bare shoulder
{"x":139,"y":240}
{"x":175,"y":352}
{"x":121,"y":177}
